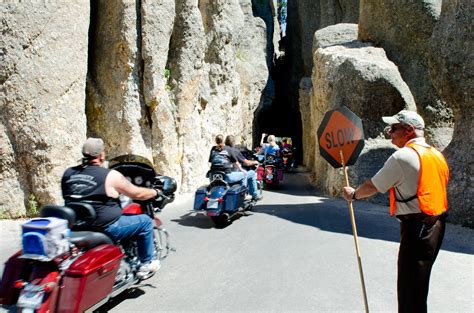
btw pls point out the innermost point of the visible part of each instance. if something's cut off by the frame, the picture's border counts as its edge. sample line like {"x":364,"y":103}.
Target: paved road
{"x":294,"y":252}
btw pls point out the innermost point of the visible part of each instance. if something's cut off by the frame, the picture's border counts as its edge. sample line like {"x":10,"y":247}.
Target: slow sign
{"x":341,"y":139}
{"x":340,"y":130}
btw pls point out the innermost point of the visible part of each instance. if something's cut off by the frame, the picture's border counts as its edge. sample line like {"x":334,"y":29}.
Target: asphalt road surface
{"x":294,"y":253}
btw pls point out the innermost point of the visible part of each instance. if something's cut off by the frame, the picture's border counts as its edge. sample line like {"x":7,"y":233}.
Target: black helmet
{"x":166,"y":184}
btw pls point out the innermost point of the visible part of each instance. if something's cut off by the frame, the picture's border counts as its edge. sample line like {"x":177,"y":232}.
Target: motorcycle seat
{"x":222,"y":183}
{"x":89,"y":239}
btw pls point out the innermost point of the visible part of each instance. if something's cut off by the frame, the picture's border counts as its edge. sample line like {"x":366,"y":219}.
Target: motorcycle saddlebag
{"x":199,"y":196}
{"x":12,"y":272}
{"x":90,"y":278}
{"x":235,"y":197}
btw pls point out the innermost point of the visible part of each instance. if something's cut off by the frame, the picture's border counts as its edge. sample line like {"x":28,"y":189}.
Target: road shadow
{"x":201,"y":220}
{"x":333,"y":215}
{"x":194,"y":219}
{"x":133,"y":293}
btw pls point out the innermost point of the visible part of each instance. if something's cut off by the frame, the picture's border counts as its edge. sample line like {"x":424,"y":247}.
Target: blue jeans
{"x":248,"y":179}
{"x":233,"y":177}
{"x":252,"y":182}
{"x":139,"y":227}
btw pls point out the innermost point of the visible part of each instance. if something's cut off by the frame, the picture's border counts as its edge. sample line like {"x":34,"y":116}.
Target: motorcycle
{"x":288,"y":158}
{"x":221,"y":200}
{"x":270,"y":171}
{"x":253,"y":155}
{"x":65,"y":268}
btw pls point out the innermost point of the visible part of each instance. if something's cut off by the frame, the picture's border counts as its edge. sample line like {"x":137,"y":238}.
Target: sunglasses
{"x":394,"y":127}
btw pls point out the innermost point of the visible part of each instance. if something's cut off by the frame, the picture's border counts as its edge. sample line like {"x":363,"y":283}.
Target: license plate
{"x":31,"y":297}
{"x":212,"y":204}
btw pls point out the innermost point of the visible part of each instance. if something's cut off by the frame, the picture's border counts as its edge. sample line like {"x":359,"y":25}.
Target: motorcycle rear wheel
{"x":220,"y":221}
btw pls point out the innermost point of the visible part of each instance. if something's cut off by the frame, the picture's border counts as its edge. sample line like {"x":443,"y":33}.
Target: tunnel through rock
{"x":281,"y":116}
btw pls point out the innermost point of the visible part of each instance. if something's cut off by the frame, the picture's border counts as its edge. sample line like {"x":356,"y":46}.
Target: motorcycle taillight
{"x":49,"y":287}
{"x":19,"y":284}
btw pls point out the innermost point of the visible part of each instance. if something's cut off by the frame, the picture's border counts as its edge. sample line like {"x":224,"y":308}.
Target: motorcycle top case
{"x":234,"y":197}
{"x":45,"y":238}
{"x":199,"y":196}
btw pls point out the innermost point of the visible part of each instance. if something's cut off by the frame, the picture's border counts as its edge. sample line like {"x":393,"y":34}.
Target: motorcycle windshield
{"x":137,"y":169}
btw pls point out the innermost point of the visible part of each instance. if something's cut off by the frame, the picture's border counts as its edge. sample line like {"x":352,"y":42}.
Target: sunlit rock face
{"x":403,"y":29}
{"x":360,"y":76}
{"x":154,"y":78}
{"x":430,"y":43}
{"x":451,"y":69}
{"x":42,"y":120}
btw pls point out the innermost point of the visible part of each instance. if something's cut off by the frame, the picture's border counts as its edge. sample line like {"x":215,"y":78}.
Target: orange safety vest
{"x":434,"y":174}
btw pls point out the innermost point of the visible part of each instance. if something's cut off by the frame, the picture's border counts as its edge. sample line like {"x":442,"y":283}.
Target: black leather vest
{"x":87,"y":184}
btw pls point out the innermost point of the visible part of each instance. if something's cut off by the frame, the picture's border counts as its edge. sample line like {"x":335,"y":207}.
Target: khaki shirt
{"x":402,"y":171}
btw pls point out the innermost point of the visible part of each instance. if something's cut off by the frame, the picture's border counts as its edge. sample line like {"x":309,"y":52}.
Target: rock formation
{"x":451,"y":69}
{"x":359,"y":76}
{"x":403,"y":29}
{"x":162,"y":78}
{"x":43,"y":78}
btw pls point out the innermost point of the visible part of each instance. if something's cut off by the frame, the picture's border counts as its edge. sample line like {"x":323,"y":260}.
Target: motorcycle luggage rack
{"x":217,"y":179}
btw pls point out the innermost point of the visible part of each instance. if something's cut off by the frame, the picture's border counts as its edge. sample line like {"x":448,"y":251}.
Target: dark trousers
{"x":421,"y":238}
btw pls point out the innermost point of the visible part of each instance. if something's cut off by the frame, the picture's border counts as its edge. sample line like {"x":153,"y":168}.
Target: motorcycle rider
{"x":287,"y":151}
{"x":223,"y":158}
{"x":91,"y":183}
{"x":271,"y":147}
{"x":285,"y":144}
{"x":250,"y":174}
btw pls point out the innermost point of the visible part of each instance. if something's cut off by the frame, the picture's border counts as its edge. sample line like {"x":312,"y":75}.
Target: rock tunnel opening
{"x":282,"y":117}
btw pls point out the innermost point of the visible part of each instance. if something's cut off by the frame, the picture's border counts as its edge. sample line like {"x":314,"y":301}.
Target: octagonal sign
{"x":340,"y":130}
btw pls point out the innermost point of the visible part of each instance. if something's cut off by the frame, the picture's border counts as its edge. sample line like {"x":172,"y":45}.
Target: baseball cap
{"x":93,"y":147}
{"x":405,"y":117}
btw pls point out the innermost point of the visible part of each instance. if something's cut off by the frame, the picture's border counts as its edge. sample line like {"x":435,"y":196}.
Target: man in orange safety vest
{"x":416,"y":176}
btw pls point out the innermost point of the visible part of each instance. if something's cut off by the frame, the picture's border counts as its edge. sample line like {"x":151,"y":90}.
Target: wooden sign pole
{"x":356,"y":241}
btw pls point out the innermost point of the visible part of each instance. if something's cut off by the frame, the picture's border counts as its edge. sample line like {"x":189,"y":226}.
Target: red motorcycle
{"x":72,"y":271}
{"x":269,"y":171}
{"x":288,"y":158}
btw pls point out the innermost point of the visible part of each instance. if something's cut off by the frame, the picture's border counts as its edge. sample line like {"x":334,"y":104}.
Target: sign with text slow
{"x":340,"y":130}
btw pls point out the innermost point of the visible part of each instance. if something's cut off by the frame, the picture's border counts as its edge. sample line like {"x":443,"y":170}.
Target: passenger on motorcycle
{"x":285,"y":144}
{"x":89,"y":182}
{"x":223,"y":158}
{"x":271,"y":147}
{"x":250,"y":174}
